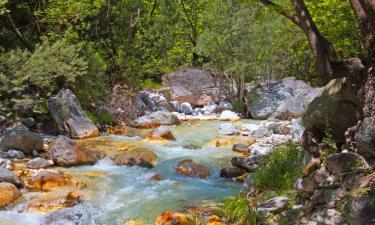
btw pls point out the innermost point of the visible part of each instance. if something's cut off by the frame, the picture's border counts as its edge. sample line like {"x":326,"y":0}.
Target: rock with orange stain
{"x":145,"y":122}
{"x":135,"y":157}
{"x":172,"y":218}
{"x":161,"y":132}
{"x":134,"y":222}
{"x":156,"y":178}
{"x":118,"y":130}
{"x":220,"y":143}
{"x":53,"y":201}
{"x":189,"y":168}
{"x":214,"y":220}
{"x":47,"y":179}
{"x":8,"y":193}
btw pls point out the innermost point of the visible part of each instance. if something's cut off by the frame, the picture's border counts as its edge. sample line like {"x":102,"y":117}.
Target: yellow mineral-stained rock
{"x":8,"y":193}
{"x":214,"y":220}
{"x":172,"y":218}
{"x":134,"y":222}
{"x":55,"y":200}
{"x":45,"y":180}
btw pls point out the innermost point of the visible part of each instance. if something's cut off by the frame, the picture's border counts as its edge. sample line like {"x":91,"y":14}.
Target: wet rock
{"x":161,"y":132}
{"x":65,"y":152}
{"x":186,"y":108}
{"x":13,"y":154}
{"x":285,"y":99}
{"x":28,"y":122}
{"x":227,"y":129}
{"x":247,"y":164}
{"x":305,"y":187}
{"x":231,"y":172}
{"x":10,"y":177}
{"x":172,"y":218}
{"x":189,"y":168}
{"x":54,"y":201}
{"x":39,"y":163}
{"x":276,"y":204}
{"x":194,"y":85}
{"x":228,"y":115}
{"x":365,"y":137}
{"x":8,"y":193}
{"x":156,"y":178}
{"x":241,"y":148}
{"x":142,"y":157}
{"x":5,"y":163}
{"x":69,"y":116}
{"x":341,"y":163}
{"x":134,"y":222}
{"x":45,"y":180}
{"x":77,"y":215}
{"x":165,"y":118}
{"x":360,"y":210}
{"x":22,"y":140}
{"x":145,"y":122}
{"x":192,"y":147}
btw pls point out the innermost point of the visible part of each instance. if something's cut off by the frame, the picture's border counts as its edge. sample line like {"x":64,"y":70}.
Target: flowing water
{"x":120,"y":193}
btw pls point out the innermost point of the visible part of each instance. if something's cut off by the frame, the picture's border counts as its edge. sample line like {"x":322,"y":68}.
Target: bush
{"x":280,"y":170}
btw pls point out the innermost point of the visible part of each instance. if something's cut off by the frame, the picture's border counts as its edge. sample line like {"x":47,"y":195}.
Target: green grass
{"x":103,"y":117}
{"x":236,"y":210}
{"x":279,"y":171}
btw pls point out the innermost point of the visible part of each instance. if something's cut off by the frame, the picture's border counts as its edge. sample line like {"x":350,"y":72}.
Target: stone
{"x":13,"y":154}
{"x":360,"y":210}
{"x":186,"y":108}
{"x":283,"y":99}
{"x":241,"y":148}
{"x":172,"y":218}
{"x":189,"y":168}
{"x":45,"y":180}
{"x":10,"y":177}
{"x":39,"y":163}
{"x":134,"y":222}
{"x":5,"y":163}
{"x":232,"y":172}
{"x":156,"y":178}
{"x":365,"y":137}
{"x":145,"y":122}
{"x":305,"y":186}
{"x":261,"y":132}
{"x":197,"y":86}
{"x":247,"y":164}
{"x":276,"y":204}
{"x":192,"y":147}
{"x":214,"y":220}
{"x":297,"y":129}
{"x":341,"y":163}
{"x":176,"y":106}
{"x":228,"y":115}
{"x":54,"y":201}
{"x":162,"y":132}
{"x":69,"y":116}
{"x":326,"y":110}
{"x":8,"y":193}
{"x":224,"y":105}
{"x":77,"y":215}
{"x":66,"y":152}
{"x":142,"y":157}
{"x":165,"y":118}
{"x":249,"y":127}
{"x":22,"y":140}
{"x":2,"y":120}
{"x":227,"y":129}
{"x":28,"y":122}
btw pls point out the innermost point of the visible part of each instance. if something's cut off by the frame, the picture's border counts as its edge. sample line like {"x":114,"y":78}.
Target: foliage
{"x":280,"y":170}
{"x":236,"y":210}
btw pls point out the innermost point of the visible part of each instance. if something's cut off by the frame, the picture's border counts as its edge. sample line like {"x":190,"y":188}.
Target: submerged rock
{"x":8,"y":193}
{"x":189,"y":168}
{"x":69,"y":116}
{"x":66,"y":152}
{"x":142,"y":157}
{"x":161,"y":132}
{"x":22,"y":140}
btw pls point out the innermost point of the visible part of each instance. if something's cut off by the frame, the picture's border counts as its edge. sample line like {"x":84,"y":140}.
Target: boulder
{"x":5,"y":163}
{"x":228,"y":115}
{"x":66,"y":152}
{"x":142,"y":157}
{"x":241,"y":148}
{"x":13,"y":154}
{"x":161,"y":132}
{"x":45,"y":180}
{"x":69,"y":116}
{"x":341,"y":163}
{"x":22,"y":140}
{"x":365,"y":137}
{"x":145,"y":122}
{"x":261,"y":132}
{"x":172,"y":218}
{"x":2,"y":119}
{"x":186,"y":108}
{"x":38,"y":163}
{"x":284,"y":99}
{"x":77,"y":215}
{"x":197,"y":86}
{"x":232,"y":172}
{"x":8,"y":194}
{"x":276,"y":204}
{"x":176,"y":106}
{"x":189,"y":168}
{"x":10,"y":177}
{"x":305,"y":186}
{"x":54,"y":201}
{"x":165,"y":118}
{"x":28,"y":122}
{"x":326,"y":110}
{"x":360,"y":210}
{"x":247,"y":164}
{"x":224,"y":105}
{"x":227,"y":129}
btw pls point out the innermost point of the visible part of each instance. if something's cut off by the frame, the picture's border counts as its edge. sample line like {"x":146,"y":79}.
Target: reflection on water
{"x":117,"y":194}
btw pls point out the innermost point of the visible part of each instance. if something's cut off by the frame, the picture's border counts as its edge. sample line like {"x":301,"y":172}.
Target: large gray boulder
{"x":22,"y":140}
{"x":165,"y":118}
{"x":69,"y":116}
{"x":10,"y":177}
{"x":284,"y":99}
{"x":197,"y":86}
{"x":365,"y":137}
{"x":335,"y":108}
{"x":65,"y":152}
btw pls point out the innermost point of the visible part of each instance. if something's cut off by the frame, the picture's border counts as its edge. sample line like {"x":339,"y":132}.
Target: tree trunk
{"x":13,"y":27}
